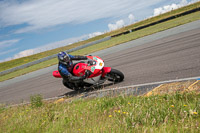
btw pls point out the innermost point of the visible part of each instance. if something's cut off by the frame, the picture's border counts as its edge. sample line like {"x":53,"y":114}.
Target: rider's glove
{"x":91,"y":62}
{"x":86,"y":75}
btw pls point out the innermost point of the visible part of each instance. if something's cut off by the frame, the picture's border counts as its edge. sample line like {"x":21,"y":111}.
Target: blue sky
{"x":31,"y":26}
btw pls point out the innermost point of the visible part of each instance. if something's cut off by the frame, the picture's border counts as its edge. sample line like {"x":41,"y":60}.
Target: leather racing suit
{"x":65,"y":70}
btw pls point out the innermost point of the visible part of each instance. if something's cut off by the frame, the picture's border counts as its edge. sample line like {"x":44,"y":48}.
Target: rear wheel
{"x":70,"y":85}
{"x":115,"y":76}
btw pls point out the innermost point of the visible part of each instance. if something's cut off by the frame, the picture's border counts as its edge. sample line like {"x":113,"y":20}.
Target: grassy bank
{"x":112,"y":42}
{"x":179,"y":113}
{"x":21,"y":61}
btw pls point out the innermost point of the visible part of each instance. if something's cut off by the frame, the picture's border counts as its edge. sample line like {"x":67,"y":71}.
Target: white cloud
{"x":24,"y":53}
{"x":7,"y":51}
{"x":193,"y":1}
{"x":45,"y":47}
{"x":117,"y":25}
{"x":131,"y":18}
{"x":48,"y":47}
{"x":40,"y":14}
{"x":121,"y":23}
{"x":183,"y":3}
{"x":8,"y":43}
{"x":95,"y":34}
{"x":173,"y":6}
{"x":4,"y":45}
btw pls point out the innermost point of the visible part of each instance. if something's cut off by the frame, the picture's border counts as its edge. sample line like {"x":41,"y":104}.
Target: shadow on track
{"x":86,"y":90}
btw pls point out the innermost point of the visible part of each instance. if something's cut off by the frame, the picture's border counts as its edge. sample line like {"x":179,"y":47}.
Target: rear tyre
{"x":115,"y":76}
{"x":70,"y":85}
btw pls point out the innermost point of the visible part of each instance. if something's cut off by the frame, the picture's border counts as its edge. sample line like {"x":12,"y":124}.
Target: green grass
{"x":28,"y":69}
{"x":24,"y":60}
{"x":179,"y":113}
{"x":110,"y":43}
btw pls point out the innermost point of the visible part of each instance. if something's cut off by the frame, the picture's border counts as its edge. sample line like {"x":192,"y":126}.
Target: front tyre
{"x":115,"y":76}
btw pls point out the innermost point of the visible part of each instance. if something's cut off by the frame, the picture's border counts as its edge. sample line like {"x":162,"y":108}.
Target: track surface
{"x":172,"y":57}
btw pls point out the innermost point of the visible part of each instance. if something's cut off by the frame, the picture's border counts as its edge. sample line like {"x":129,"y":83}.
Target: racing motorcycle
{"x":98,"y":74}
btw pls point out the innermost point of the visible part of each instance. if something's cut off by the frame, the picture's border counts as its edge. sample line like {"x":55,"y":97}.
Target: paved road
{"x":168,"y":55}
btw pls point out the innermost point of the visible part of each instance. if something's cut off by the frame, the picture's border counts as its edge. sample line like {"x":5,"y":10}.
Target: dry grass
{"x":170,"y":88}
{"x":175,"y":112}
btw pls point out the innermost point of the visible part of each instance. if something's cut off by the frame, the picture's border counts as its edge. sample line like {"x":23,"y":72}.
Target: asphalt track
{"x":168,"y":55}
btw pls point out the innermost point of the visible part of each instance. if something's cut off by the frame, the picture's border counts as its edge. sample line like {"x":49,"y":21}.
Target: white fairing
{"x":99,"y":65}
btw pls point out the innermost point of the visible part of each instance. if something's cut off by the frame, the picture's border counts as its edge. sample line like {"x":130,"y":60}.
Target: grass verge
{"x":179,"y":113}
{"x":24,"y":60}
{"x":114,"y":41}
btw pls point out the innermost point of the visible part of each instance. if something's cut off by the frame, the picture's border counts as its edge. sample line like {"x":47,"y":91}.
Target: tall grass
{"x":36,"y":101}
{"x":178,"y":112}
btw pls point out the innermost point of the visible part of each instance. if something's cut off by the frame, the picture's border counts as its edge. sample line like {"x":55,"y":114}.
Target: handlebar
{"x":91,"y":62}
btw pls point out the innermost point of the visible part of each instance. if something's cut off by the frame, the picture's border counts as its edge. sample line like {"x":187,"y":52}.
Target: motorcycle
{"x":98,"y":74}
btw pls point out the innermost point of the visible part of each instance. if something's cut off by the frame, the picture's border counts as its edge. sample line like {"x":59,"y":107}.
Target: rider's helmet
{"x":63,"y":57}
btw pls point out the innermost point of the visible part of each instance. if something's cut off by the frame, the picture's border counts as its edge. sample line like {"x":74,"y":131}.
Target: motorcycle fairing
{"x":56,"y":74}
{"x":79,"y":69}
{"x":93,"y":80}
{"x":105,"y":71}
{"x":97,"y":69}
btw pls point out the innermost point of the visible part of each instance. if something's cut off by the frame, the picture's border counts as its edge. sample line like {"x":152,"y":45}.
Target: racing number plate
{"x":92,"y":69}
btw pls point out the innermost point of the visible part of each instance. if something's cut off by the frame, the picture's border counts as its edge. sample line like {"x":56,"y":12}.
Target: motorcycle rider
{"x":65,"y":68}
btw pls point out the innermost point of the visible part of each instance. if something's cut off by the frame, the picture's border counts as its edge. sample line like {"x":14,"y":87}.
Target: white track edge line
{"x":118,"y":88}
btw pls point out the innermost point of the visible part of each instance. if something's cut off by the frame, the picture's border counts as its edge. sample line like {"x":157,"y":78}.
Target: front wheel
{"x":115,"y":76}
